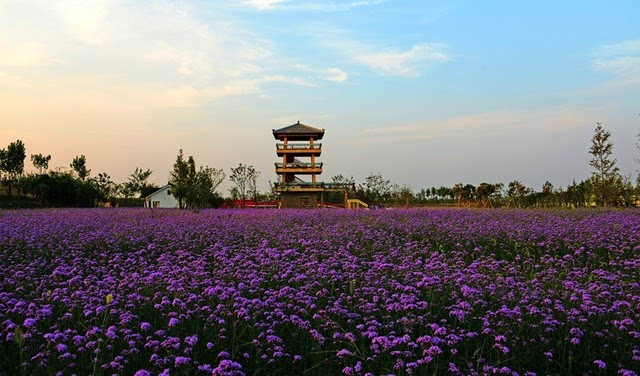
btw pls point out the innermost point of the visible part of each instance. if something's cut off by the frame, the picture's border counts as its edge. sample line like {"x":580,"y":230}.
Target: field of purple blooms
{"x":325,"y":292}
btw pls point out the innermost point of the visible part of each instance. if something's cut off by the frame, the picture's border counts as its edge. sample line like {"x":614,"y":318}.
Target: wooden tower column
{"x":313,"y":162}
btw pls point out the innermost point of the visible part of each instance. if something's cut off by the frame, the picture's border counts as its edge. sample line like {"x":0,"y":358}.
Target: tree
{"x":202,"y":187}
{"x":340,"y":179}
{"x":484,"y":191}
{"x":253,"y":183}
{"x":547,"y":192}
{"x":241,"y":176}
{"x":195,"y":188}
{"x":376,"y":189}
{"x":12,"y":162}
{"x":79,"y":165}
{"x":403,"y":196}
{"x":515,"y":192}
{"x":605,"y":167}
{"x":105,"y":187}
{"x":179,"y":180}
{"x":40,"y":162}
{"x":137,"y":183}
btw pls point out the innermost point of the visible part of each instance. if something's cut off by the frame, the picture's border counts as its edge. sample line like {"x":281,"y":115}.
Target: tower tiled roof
{"x":299,"y":129}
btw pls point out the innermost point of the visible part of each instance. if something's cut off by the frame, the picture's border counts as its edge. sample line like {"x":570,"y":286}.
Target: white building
{"x":162,"y":198}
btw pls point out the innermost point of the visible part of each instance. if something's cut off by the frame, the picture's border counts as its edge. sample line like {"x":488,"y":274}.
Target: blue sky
{"x":426,"y":93}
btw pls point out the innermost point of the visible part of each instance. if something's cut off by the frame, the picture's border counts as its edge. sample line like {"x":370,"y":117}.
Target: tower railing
{"x":300,"y":146}
{"x":299,"y":165}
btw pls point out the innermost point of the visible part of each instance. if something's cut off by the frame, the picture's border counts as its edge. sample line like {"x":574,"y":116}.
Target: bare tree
{"x":243,"y":177}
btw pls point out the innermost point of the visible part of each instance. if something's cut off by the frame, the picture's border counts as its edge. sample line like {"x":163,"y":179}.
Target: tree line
{"x":605,"y":187}
{"x":198,"y":187}
{"x":75,"y":186}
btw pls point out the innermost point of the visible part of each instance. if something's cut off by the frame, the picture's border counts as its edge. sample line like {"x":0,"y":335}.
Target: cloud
{"x":622,"y":60}
{"x":310,"y":6}
{"x":161,"y":44}
{"x":381,"y":59}
{"x":407,"y":63}
{"x":265,"y":4}
{"x":551,"y":119}
{"x":332,"y":74}
{"x":336,"y":75}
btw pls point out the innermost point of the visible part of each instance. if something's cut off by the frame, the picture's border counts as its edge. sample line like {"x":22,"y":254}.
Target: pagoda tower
{"x":298,"y":147}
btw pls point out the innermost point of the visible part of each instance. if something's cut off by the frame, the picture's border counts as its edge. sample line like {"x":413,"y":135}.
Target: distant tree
{"x":179,"y":179}
{"x":547,"y":193}
{"x":403,"y":196}
{"x":12,"y":163}
{"x":105,"y":187}
{"x":605,"y":167}
{"x":484,"y":192}
{"x":469,"y":193}
{"x":40,"y":162}
{"x":202,"y":188}
{"x":445,"y":193}
{"x":626,"y":190}
{"x":79,"y":165}
{"x":61,"y":189}
{"x":577,"y":193}
{"x":192,"y":187}
{"x":241,"y":176}
{"x":234,"y":193}
{"x":376,"y":189}
{"x":137,"y":183}
{"x":516,"y":192}
{"x":252,"y":183}
{"x":340,"y":179}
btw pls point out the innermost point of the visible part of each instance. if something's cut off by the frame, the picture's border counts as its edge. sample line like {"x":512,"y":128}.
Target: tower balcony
{"x":298,"y":149}
{"x":299,"y":168}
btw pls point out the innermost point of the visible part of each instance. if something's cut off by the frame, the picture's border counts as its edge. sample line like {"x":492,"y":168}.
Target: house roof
{"x":299,"y":129}
{"x":159,"y":190}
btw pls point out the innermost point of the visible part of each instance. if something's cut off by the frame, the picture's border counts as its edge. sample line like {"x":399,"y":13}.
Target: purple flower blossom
{"x":396,"y":290}
{"x":600,"y":364}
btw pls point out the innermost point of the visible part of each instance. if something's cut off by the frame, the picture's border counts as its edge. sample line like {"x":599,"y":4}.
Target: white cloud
{"x":332,"y":74}
{"x":265,"y":4}
{"x":496,"y":122}
{"x":336,"y":75}
{"x":160,"y":44}
{"x":382,"y":59}
{"x":621,"y":60}
{"x":407,"y":63}
{"x":310,"y":6}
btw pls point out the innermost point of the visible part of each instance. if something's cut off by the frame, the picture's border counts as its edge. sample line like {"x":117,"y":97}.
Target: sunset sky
{"x":426,"y":93}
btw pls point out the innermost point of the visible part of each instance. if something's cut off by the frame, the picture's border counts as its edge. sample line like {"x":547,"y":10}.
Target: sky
{"x":425,"y":93}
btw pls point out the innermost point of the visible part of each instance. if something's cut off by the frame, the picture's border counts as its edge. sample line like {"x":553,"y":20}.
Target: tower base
{"x":299,"y":200}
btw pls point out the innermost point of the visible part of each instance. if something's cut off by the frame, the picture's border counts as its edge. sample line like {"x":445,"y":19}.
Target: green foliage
{"x":179,"y":180}
{"x":40,"y":162}
{"x":606,"y":171}
{"x":106,"y":188}
{"x":376,"y":190}
{"x":195,"y":188}
{"x":138,"y":184}
{"x":79,"y":165}
{"x":60,"y":189}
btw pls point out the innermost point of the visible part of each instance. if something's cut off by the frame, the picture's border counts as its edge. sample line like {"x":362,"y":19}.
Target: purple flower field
{"x":122,"y":291}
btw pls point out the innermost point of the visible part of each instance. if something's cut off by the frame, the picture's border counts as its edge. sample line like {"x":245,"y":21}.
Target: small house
{"x":162,"y":198}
